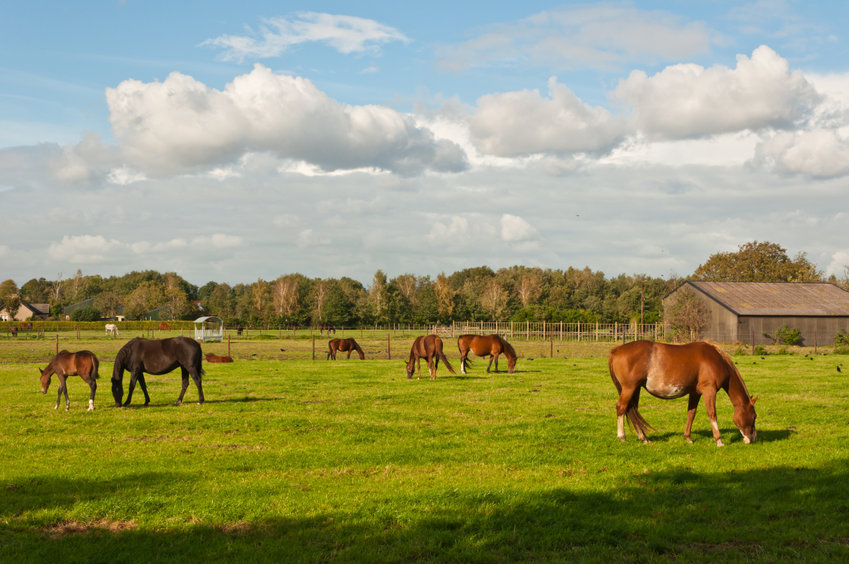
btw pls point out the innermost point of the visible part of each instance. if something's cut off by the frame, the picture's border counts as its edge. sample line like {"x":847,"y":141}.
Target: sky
{"x":233,"y":141}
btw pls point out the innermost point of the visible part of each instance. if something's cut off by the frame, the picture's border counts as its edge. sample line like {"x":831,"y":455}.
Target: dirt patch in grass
{"x":72,"y":527}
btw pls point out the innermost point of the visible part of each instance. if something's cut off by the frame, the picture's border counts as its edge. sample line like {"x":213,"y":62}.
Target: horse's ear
{"x":754,"y":399}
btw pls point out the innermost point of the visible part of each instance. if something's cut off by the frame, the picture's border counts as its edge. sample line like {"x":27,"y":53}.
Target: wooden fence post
{"x":313,"y":347}
{"x":388,"y":346}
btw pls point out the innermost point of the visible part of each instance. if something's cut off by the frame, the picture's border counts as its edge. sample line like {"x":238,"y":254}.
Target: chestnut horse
{"x":157,"y":356}
{"x":64,"y":364}
{"x":486,"y":345}
{"x":428,"y":347}
{"x":349,"y":345}
{"x":673,"y":371}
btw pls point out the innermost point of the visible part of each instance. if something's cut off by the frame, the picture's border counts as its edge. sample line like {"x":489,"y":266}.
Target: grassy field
{"x":302,"y":461}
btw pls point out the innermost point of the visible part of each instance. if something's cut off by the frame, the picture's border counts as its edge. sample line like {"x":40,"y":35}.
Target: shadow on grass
{"x":769,"y":514}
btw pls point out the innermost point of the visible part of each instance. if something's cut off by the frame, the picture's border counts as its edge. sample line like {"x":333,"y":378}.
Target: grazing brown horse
{"x":349,"y":345}
{"x":486,"y":345}
{"x":64,"y":364}
{"x":326,"y":327}
{"x":673,"y":371}
{"x":164,"y":326}
{"x":157,"y":356}
{"x":428,"y":347}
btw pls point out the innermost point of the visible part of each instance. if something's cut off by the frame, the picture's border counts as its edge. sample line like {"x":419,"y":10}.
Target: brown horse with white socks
{"x":673,"y":371}
{"x":64,"y":364}
{"x":486,"y":345}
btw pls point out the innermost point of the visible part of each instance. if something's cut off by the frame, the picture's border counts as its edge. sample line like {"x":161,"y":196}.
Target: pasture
{"x":302,"y":461}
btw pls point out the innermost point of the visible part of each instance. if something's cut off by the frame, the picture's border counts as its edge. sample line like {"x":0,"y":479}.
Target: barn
{"x":747,"y":312}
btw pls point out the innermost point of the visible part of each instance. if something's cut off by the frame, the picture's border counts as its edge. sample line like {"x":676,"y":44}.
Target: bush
{"x":86,"y":313}
{"x":785,"y":335}
{"x":841,"y":339}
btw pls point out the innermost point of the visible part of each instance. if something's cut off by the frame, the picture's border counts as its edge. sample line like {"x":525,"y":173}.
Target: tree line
{"x":516,"y":293}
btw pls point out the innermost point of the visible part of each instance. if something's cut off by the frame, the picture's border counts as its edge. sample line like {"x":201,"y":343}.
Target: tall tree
{"x":758,"y":262}
{"x":444,"y":296}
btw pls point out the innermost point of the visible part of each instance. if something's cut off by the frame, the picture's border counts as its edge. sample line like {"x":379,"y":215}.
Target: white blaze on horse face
{"x":657,"y":384}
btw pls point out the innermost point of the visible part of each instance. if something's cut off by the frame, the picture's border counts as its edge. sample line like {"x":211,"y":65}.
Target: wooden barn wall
{"x":816,"y":331}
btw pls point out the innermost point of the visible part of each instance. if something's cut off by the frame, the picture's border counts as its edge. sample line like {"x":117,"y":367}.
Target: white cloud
{"x":522,"y":123}
{"x":819,"y":152}
{"x":839,"y":265}
{"x":689,"y":100}
{"x":514,"y":228}
{"x":346,"y":34}
{"x":600,"y":35}
{"x":180,"y":124}
{"x":84,"y":249}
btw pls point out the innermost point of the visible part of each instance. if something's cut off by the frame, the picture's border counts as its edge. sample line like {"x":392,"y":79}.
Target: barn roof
{"x":777,"y":298}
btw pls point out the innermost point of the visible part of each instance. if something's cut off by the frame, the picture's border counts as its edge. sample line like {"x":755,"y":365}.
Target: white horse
{"x":112,"y":329}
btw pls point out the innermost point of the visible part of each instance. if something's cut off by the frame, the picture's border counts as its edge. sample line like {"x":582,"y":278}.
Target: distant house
{"x":26,"y":312}
{"x":746,"y":311}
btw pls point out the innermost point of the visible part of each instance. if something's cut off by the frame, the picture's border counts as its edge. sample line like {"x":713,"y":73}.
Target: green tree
{"x":687,"y":316}
{"x":758,"y":262}
{"x":147,"y":296}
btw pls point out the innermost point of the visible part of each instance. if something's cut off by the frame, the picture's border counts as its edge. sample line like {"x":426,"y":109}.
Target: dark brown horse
{"x":428,"y":347}
{"x":157,"y":356}
{"x":343,"y":345}
{"x":486,"y":345}
{"x":326,"y":327}
{"x":64,"y":364}
{"x":673,"y":371}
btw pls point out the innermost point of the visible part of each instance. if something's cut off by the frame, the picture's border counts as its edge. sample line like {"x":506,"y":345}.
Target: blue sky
{"x":236,"y":141}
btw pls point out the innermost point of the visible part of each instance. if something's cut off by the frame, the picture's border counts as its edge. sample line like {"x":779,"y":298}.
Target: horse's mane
{"x":732,"y":369}
{"x":507,"y":346}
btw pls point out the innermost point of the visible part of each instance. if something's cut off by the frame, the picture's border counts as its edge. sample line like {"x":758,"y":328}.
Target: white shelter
{"x":209,"y":328}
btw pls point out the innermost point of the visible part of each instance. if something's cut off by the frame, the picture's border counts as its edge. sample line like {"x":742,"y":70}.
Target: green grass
{"x":301,"y":461}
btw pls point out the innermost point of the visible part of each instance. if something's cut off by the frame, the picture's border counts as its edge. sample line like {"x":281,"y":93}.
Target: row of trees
{"x":517,"y":293}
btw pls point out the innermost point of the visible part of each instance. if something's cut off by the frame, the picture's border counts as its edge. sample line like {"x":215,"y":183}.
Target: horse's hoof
{"x":689,"y":440}
{"x":90,"y":409}
{"x":178,"y":403}
{"x":719,"y":444}
{"x":621,"y":439}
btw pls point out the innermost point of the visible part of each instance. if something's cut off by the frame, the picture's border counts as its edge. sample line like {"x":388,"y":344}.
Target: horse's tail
{"x":95,"y":366}
{"x":444,"y":360}
{"x":635,"y":420}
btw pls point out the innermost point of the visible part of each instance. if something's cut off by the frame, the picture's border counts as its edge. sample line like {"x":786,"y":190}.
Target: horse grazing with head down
{"x":112,"y":329}
{"x":343,"y":345}
{"x":428,"y":347}
{"x":486,"y":345}
{"x":64,"y":364}
{"x":157,"y":356}
{"x":673,"y":371}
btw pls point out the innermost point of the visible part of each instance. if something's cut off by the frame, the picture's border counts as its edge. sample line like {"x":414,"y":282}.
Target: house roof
{"x":38,"y":309}
{"x":777,"y":298}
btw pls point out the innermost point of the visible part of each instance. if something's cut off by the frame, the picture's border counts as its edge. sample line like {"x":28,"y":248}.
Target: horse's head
{"x":744,"y":418}
{"x":411,"y":367}
{"x":46,"y":374}
{"x":511,"y":364}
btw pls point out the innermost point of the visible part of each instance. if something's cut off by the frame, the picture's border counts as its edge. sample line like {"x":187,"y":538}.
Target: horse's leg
{"x":349,"y":353}
{"x":463,"y":360}
{"x":196,"y":376}
{"x":143,"y":386}
{"x":488,"y":366}
{"x":61,"y":380}
{"x":625,"y":397}
{"x":710,"y":406}
{"x":419,"y":364}
{"x":92,"y":384}
{"x":692,"y":404}
{"x":495,"y":357}
{"x":134,"y":375}
{"x":185,"y":385}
